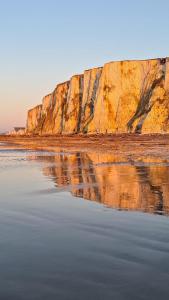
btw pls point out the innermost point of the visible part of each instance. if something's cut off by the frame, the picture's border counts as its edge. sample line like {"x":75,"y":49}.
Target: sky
{"x":43,"y":43}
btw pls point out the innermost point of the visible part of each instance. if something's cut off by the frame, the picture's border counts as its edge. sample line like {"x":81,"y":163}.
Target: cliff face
{"x":46,"y":103}
{"x":72,"y":114}
{"x":34,"y":119}
{"x":90,"y":90}
{"x":124,"y":96}
{"x":54,"y":120}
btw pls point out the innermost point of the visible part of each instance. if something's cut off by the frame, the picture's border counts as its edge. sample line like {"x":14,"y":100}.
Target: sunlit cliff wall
{"x":34,"y":119}
{"x":123,"y":96}
{"x":55,"y":117}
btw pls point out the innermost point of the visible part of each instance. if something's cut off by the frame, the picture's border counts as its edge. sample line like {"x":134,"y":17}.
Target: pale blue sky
{"x":45,"y":42}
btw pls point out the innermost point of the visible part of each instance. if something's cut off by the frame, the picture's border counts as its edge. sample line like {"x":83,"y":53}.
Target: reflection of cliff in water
{"x":101,"y":178}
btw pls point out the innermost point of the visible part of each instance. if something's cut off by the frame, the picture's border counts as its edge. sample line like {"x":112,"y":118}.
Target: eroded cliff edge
{"x":123,"y":96}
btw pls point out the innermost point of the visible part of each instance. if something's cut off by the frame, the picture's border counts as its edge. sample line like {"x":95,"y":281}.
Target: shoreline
{"x":132,"y":145}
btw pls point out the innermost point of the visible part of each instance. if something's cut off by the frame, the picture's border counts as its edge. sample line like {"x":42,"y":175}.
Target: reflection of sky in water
{"x":56,"y":246}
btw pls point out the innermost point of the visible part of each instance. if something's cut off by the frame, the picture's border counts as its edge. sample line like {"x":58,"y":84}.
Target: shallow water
{"x":83,"y":226}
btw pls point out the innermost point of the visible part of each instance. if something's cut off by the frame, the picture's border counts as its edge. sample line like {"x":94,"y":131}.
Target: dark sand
{"x":133,"y":145}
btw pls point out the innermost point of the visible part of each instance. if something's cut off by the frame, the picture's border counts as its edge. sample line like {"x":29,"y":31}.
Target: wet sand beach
{"x":133,"y":145}
{"x":84,"y":217}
